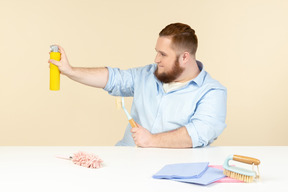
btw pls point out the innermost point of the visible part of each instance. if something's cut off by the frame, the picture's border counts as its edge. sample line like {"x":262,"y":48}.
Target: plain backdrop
{"x":243,"y":44}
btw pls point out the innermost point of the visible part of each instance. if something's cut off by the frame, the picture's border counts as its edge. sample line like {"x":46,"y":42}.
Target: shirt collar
{"x":200,"y":77}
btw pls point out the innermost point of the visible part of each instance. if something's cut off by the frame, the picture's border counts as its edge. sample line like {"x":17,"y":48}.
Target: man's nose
{"x":157,"y":58}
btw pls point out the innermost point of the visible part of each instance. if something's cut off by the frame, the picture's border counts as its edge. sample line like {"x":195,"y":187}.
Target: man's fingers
{"x":133,"y":130}
{"x":61,"y":50}
{"x":57,"y":63}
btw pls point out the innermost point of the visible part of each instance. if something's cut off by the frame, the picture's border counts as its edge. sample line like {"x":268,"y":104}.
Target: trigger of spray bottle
{"x":54,"y":71}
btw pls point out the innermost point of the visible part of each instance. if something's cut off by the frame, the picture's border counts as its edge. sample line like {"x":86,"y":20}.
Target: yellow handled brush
{"x":240,"y":173}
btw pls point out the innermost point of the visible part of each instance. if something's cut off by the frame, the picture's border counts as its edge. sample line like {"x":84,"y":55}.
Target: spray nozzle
{"x":54,"y":48}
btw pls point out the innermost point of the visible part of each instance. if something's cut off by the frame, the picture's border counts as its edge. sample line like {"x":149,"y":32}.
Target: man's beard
{"x":170,"y":76}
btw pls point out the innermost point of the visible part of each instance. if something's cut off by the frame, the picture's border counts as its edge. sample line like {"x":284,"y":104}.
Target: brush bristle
{"x":245,"y":178}
{"x":118,"y":102}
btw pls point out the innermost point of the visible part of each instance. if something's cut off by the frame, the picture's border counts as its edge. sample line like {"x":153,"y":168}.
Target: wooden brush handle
{"x":132,"y":123}
{"x":248,"y":160}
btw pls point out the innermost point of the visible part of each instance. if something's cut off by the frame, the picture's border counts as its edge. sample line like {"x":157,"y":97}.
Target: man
{"x":176,"y":102}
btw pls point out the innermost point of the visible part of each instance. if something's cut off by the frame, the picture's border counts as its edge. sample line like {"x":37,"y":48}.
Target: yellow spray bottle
{"x":54,"y":71}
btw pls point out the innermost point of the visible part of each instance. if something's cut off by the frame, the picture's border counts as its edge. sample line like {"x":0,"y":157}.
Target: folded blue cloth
{"x":195,"y":173}
{"x":210,"y":175}
{"x":182,"y":171}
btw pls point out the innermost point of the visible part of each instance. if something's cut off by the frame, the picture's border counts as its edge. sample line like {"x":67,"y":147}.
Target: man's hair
{"x":183,"y":37}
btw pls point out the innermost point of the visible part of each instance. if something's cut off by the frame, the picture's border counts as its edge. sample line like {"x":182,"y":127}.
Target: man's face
{"x":168,"y":66}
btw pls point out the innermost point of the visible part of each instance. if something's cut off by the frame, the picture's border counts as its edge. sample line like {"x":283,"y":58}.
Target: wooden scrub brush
{"x":241,"y":173}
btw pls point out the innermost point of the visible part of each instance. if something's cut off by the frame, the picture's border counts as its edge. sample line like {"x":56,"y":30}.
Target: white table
{"x":130,"y":169}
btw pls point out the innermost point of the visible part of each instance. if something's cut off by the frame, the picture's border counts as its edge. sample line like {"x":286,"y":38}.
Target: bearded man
{"x":176,"y":103}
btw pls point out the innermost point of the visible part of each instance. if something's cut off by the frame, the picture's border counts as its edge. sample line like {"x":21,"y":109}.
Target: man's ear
{"x":184,"y":57}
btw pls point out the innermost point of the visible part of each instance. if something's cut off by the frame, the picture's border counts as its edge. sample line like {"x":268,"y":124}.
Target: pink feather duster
{"x":85,"y":160}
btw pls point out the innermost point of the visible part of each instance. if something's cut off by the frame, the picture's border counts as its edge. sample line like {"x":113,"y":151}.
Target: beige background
{"x":243,"y":44}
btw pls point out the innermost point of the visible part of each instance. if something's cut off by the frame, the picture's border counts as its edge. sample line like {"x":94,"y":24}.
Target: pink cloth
{"x":87,"y":160}
{"x":225,"y":179}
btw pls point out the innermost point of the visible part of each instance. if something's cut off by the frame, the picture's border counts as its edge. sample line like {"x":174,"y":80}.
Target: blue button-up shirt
{"x":200,"y":106}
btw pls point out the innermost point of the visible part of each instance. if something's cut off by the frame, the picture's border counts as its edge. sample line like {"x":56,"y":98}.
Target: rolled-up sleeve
{"x":208,"y":121}
{"x":120,"y":82}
